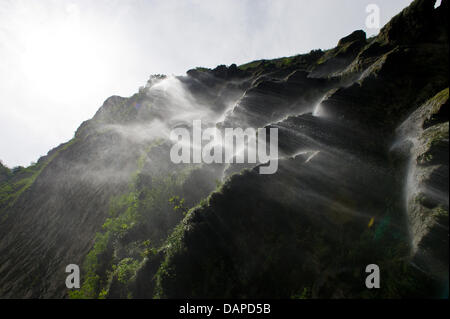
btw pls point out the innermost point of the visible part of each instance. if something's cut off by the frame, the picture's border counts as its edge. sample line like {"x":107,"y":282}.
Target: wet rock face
{"x":390,"y":85}
{"x":264,"y":244}
{"x":417,"y":23}
{"x":53,"y":223}
{"x":393,"y":75}
{"x":343,"y":197}
{"x":272,"y":100}
{"x":338,"y":59}
{"x":4,"y":173}
{"x":427,"y":184}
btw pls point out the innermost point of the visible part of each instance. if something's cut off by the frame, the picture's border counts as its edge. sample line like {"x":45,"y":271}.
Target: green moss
{"x":250,"y":65}
{"x":93,"y":281}
{"x":139,"y":222}
{"x":436,"y":134}
{"x":305,"y":294}
{"x":278,"y":63}
{"x":174,"y":245}
{"x":126,"y":269}
{"x":442,"y":96}
{"x":21,"y":178}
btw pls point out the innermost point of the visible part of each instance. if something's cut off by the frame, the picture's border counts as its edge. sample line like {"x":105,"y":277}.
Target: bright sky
{"x":60,"y":59}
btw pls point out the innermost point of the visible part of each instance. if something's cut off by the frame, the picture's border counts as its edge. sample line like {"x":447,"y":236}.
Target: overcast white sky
{"x":60,"y":59}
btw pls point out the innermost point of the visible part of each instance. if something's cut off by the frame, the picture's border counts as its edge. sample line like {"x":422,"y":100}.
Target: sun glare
{"x":59,"y":61}
{"x":60,"y":52}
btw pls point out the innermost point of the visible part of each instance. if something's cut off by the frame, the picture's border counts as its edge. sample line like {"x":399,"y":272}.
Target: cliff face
{"x":424,"y":136}
{"x":362,"y":179}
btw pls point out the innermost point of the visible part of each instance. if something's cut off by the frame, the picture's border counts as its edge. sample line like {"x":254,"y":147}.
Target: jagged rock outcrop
{"x":403,"y":66}
{"x":336,"y":60}
{"x":393,"y":77}
{"x":419,"y":22}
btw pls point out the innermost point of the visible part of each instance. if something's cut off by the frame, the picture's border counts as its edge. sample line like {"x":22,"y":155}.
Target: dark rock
{"x":153,"y":228}
{"x":414,"y":24}
{"x":427,"y":184}
{"x":359,"y":36}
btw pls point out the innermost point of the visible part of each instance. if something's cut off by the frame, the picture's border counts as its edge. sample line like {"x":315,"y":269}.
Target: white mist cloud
{"x":59,"y":60}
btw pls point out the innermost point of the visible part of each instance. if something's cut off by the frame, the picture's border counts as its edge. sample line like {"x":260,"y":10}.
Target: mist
{"x":59,"y":60}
